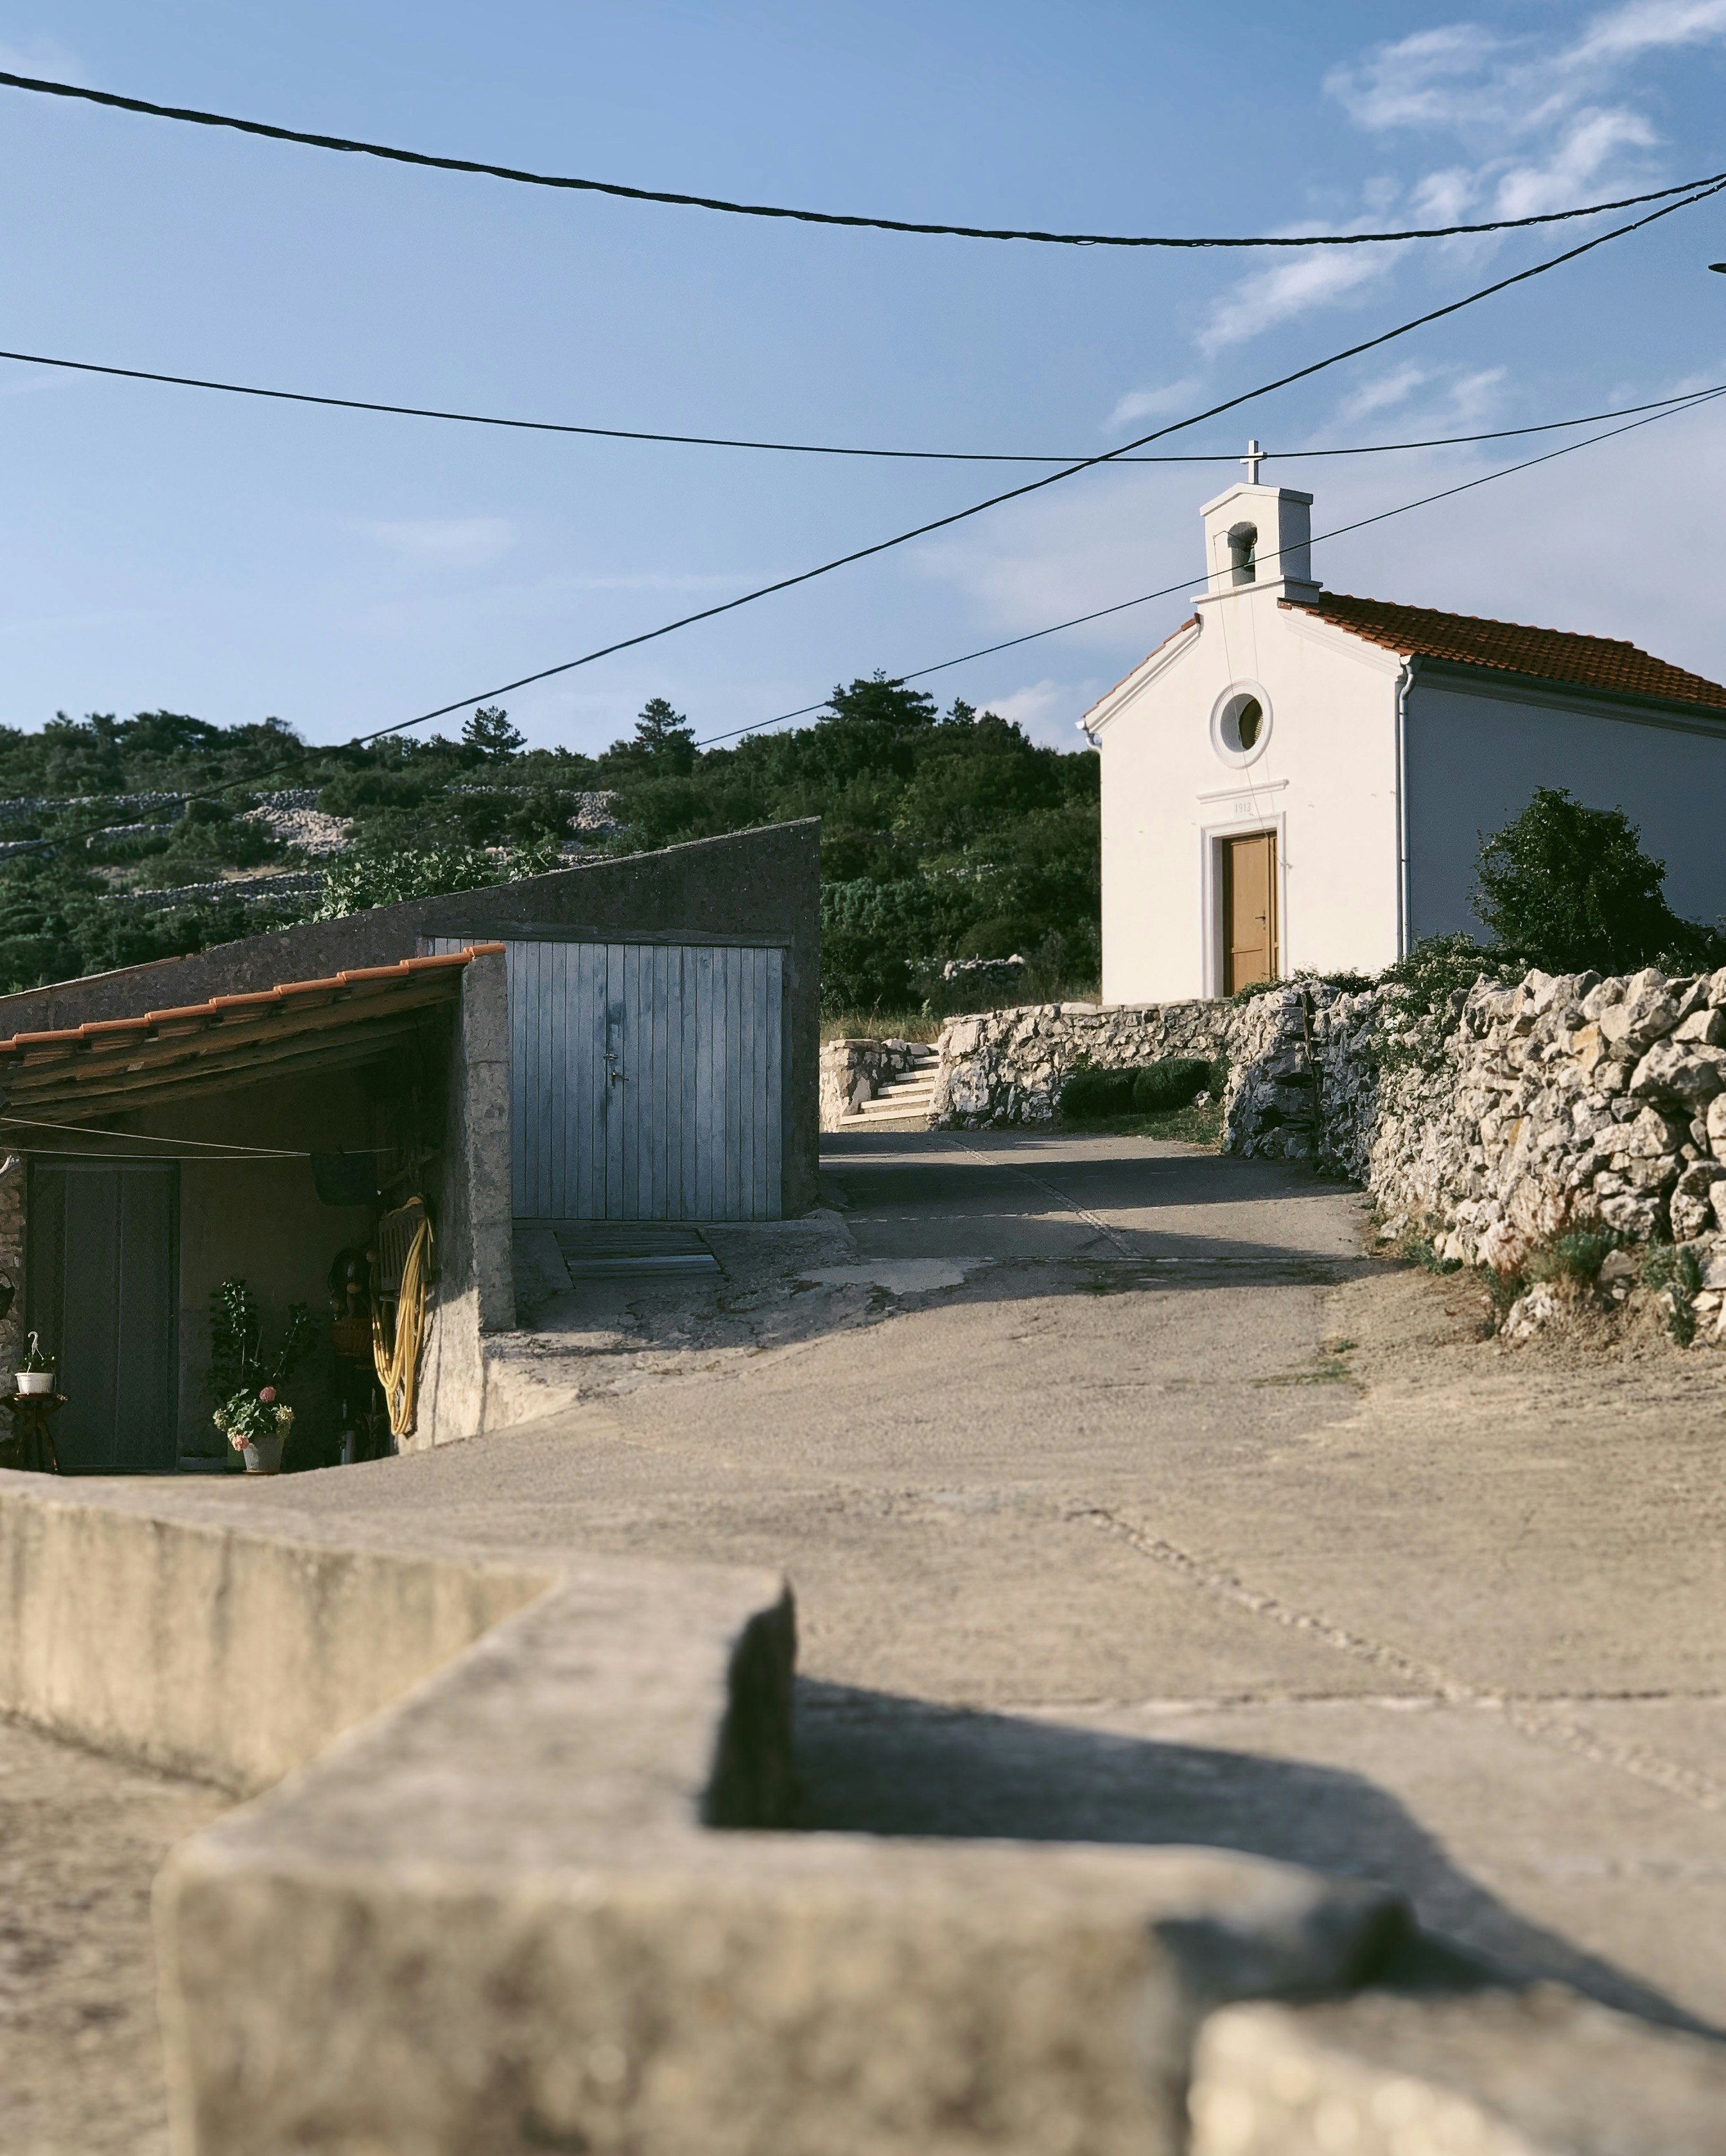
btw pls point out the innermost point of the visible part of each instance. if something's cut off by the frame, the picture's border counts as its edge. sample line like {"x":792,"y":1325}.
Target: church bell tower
{"x":1259,"y":538}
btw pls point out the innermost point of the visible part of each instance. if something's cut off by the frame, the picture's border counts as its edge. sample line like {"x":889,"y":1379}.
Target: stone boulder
{"x":1690,"y":1207}
{"x":1646,"y":1012}
{"x":1683,"y":1070}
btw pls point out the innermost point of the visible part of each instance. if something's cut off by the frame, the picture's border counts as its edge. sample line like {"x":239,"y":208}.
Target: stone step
{"x":899,"y":1100}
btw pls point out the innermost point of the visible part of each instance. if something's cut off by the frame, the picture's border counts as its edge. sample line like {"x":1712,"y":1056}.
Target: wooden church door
{"x":1249,"y":911}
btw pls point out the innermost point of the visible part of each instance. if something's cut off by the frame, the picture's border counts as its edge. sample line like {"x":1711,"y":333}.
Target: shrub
{"x":1175,"y":1082}
{"x":1150,"y":1089}
{"x":1089,"y":1092}
{"x":1504,"y":1288}
{"x":1570,"y":889}
{"x":1349,"y":983}
{"x":1577,"y":1255}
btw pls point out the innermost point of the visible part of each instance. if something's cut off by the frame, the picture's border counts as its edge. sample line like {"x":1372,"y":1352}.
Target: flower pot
{"x":32,"y":1381}
{"x":264,"y":1454}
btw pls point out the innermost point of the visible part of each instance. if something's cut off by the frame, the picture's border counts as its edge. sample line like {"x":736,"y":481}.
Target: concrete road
{"x":80,"y":2051}
{"x":1126,"y":1500}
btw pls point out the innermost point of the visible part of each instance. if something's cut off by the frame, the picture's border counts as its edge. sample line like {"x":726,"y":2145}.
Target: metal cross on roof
{"x":1252,"y":459}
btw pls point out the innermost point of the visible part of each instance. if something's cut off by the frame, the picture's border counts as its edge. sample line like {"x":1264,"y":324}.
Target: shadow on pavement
{"x":872,"y":1763}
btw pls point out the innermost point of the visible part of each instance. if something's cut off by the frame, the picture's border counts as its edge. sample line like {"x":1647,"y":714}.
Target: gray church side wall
{"x":1472,"y":760}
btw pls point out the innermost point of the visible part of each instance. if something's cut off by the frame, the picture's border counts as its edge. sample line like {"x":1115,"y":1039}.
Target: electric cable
{"x":205,"y":1145}
{"x":961,"y":515}
{"x":1047,"y":479}
{"x":196,"y":117}
{"x":1122,"y":605}
{"x":794,"y":448}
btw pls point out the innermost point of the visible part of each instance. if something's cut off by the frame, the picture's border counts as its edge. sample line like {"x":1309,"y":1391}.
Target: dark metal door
{"x":102,"y":1287}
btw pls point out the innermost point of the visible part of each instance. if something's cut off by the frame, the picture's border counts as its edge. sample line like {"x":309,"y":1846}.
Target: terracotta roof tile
{"x":256,"y":1002}
{"x":1545,"y":655}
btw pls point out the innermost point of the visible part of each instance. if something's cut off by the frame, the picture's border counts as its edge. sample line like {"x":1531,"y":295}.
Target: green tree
{"x":1569,"y":890}
{"x":360,"y":880}
{"x":490,"y":732}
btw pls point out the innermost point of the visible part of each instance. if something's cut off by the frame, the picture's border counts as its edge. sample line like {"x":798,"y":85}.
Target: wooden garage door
{"x":1249,"y":911}
{"x":646,"y":1080}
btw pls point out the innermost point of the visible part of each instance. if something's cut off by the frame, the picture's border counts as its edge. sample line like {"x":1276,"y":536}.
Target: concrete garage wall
{"x":468,"y":1191}
{"x":763,"y":884}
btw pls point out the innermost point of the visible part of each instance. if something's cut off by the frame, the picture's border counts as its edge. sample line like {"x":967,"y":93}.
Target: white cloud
{"x":1474,"y":395}
{"x":45,"y":58}
{"x":1428,"y":80}
{"x":1590,"y":141}
{"x":1270,"y":297}
{"x":1047,"y":710}
{"x":1445,"y":198}
{"x":1649,"y":25}
{"x":1387,"y":389}
{"x":1531,"y":114}
{"x":1152,"y":403}
{"x":652,"y":580}
{"x":455,"y":543}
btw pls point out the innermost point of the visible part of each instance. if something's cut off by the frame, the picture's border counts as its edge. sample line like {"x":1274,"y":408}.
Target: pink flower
{"x":268,"y":1396}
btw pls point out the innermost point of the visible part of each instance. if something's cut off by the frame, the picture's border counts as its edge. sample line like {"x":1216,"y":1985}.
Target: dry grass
{"x":880,"y":1025}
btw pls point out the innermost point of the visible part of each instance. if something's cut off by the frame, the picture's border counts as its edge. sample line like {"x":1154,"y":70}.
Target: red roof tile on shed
{"x":253,"y":1001}
{"x":1545,"y":655}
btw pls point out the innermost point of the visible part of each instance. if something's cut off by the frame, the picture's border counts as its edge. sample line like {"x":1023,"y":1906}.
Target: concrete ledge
{"x":523,"y":1884}
{"x":1497,"y":2073}
{"x":495,"y":1920}
{"x":232,"y":1653}
{"x":504,"y":1914}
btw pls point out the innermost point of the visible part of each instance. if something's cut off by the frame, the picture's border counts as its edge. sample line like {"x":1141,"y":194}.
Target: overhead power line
{"x":1036,"y":486}
{"x":1168,"y":591}
{"x":976,"y":508}
{"x":796,"y":449}
{"x":198,"y":118}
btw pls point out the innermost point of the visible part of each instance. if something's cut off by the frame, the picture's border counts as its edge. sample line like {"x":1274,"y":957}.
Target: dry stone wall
{"x":1008,"y":1066}
{"x":1560,"y":1101}
{"x":1519,"y":1112}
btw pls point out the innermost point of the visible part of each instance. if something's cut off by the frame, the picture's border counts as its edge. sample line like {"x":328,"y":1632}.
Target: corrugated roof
{"x":236,"y":1040}
{"x":1543,"y":655}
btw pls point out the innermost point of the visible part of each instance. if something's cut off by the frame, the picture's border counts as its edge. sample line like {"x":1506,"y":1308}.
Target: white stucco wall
{"x":1325,"y":781}
{"x":1474,"y":759}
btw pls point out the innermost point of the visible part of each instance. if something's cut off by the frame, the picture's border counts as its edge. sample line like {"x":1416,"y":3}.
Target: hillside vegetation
{"x":945,"y":834}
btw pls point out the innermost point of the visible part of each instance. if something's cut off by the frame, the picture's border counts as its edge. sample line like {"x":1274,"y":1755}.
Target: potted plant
{"x":35,"y":1368}
{"x":257,"y":1423}
{"x":250,"y":1411}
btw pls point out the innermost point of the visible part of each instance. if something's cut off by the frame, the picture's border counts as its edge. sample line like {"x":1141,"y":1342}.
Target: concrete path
{"x":80,"y":2051}
{"x":1126,"y":1500}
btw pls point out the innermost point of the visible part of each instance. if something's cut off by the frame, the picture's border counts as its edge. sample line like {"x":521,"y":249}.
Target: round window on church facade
{"x":1240,"y":724}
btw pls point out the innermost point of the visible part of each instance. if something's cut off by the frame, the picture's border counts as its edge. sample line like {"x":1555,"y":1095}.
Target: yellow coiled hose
{"x":398,"y":1360}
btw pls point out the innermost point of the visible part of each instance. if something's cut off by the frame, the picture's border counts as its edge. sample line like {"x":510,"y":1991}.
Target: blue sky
{"x":164,"y":547}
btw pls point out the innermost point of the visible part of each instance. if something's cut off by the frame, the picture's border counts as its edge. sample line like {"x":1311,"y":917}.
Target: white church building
{"x":1295,"y":779}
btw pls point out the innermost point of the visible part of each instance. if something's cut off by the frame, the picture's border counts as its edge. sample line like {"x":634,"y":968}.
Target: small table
{"x":31,"y":1444}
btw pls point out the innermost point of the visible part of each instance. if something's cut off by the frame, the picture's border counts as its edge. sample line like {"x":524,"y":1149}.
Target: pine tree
{"x":489,"y":732}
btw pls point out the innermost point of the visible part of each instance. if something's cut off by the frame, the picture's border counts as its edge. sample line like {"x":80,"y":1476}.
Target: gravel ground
{"x":80,"y":1839}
